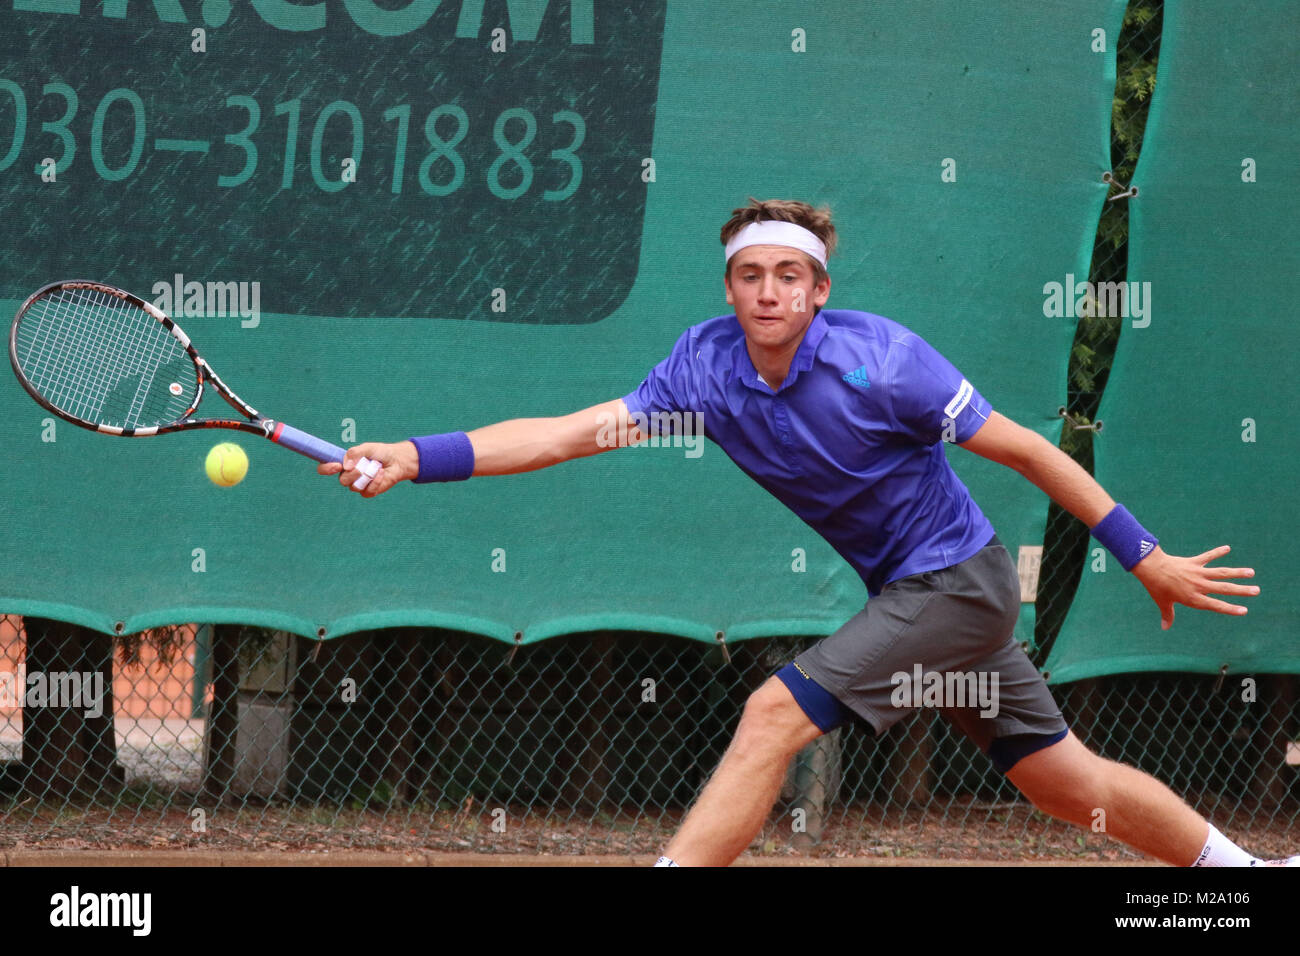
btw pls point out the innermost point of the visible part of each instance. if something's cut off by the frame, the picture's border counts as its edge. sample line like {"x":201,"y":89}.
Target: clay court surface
{"x":993,"y":835}
{"x":190,"y":858}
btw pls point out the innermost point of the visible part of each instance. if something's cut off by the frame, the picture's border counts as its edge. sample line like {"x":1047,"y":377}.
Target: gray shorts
{"x":941,"y":639}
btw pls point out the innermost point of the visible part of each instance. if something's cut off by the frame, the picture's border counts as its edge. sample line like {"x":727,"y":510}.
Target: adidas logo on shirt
{"x":857,"y":377}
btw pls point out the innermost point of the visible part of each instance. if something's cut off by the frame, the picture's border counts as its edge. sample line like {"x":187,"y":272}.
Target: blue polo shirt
{"x":852,"y":441}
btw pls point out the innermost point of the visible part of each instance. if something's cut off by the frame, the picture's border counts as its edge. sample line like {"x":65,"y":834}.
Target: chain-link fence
{"x":231,"y":736}
{"x":592,"y":742}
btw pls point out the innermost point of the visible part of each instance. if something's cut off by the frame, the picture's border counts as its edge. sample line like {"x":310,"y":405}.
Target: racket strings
{"x":66,"y":371}
{"x":99,"y":358}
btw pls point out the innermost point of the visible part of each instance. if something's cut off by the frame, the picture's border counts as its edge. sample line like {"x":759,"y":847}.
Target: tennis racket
{"x":107,"y":360}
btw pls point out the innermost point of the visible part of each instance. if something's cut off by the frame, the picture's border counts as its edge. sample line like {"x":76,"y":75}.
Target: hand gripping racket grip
{"x":313,"y":447}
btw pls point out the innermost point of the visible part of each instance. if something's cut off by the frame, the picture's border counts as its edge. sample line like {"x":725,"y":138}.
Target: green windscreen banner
{"x":378,"y":221}
{"x":1199,"y":435}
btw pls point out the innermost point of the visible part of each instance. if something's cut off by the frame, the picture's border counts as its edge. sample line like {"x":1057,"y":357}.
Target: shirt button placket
{"x":783,"y":432}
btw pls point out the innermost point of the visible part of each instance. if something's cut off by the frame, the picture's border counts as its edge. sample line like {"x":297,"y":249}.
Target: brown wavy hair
{"x":815,"y":220}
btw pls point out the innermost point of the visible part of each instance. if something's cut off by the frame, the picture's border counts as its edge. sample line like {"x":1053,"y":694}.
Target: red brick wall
{"x":152,"y":689}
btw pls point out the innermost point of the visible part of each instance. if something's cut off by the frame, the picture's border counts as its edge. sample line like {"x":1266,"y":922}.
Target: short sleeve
{"x":670,"y":385}
{"x":931,"y":400}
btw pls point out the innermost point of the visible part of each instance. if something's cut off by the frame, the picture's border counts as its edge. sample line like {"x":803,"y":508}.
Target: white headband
{"x":771,"y":232}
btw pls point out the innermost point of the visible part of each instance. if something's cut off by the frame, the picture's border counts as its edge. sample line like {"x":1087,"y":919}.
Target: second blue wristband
{"x":445,"y":457}
{"x":1123,"y":537}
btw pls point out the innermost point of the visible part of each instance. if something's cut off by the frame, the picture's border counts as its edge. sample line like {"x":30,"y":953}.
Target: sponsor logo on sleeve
{"x":960,"y":400}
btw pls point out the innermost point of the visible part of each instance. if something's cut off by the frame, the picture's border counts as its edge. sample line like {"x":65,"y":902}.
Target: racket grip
{"x":304,"y":444}
{"x":300,"y":441}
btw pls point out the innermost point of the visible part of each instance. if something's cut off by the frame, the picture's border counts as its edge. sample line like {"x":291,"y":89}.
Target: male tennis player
{"x":843,"y":416}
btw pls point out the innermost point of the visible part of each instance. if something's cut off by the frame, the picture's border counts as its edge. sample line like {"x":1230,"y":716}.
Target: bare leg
{"x":739,"y":796}
{"x":1070,"y":782}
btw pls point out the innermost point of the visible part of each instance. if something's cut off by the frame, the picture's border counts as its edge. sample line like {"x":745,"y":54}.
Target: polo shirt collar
{"x":743,"y":367}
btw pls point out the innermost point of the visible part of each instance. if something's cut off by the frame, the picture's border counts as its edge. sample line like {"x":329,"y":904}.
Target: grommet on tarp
{"x":519,"y":638}
{"x":1074,"y":423}
{"x":1223,"y":672}
{"x":1130,"y":192}
{"x":720,"y":637}
{"x":119,"y":627}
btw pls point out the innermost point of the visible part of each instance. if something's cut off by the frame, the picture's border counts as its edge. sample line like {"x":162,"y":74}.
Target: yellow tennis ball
{"x":226,"y":464}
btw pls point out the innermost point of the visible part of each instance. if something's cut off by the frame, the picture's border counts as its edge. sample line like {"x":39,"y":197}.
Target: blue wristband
{"x":1123,"y":537}
{"x":445,"y":457}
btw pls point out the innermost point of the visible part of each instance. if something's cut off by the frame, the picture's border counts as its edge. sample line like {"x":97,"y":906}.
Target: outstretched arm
{"x":526,"y":444}
{"x":1168,"y":579}
{"x":506,"y":448}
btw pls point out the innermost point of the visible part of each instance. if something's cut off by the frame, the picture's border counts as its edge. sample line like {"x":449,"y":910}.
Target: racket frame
{"x":253,"y":422}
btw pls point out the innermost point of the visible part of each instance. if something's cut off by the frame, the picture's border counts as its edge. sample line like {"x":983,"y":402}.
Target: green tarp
{"x":1199,"y":438}
{"x":380,"y":307}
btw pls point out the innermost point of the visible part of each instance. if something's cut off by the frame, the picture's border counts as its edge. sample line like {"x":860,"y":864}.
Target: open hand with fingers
{"x":1173,"y":580}
{"x":400,"y":462}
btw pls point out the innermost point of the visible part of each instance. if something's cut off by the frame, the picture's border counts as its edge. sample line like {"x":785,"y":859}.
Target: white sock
{"x":664,"y":861}
{"x":1220,"y":851}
